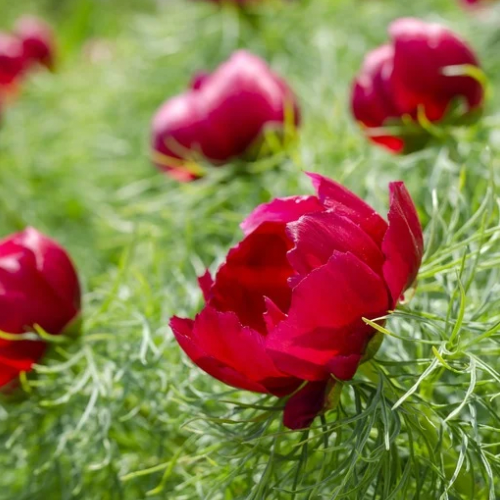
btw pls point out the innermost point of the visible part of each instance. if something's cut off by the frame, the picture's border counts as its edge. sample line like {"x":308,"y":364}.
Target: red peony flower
{"x":38,"y":41}
{"x":38,"y":286}
{"x":407,"y":77}
{"x":221,"y":116}
{"x":12,"y":62}
{"x":287,"y":305}
{"x":237,"y":2}
{"x":477,"y":3}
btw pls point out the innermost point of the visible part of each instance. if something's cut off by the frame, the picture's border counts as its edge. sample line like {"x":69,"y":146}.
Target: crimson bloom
{"x":477,"y":3}
{"x":221,"y":116}
{"x":38,"y":41}
{"x":38,"y":286}
{"x":407,"y":79}
{"x":287,"y":305}
{"x":242,"y":3}
{"x":12,"y":62}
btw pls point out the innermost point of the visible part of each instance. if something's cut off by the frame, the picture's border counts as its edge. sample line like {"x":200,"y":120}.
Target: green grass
{"x":122,"y":413}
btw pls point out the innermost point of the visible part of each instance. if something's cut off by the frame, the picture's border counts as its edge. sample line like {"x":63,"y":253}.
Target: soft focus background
{"x":122,"y":414}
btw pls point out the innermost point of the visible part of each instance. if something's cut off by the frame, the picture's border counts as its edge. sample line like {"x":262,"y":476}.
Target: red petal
{"x":55,"y":266}
{"x":303,"y":407}
{"x":26,"y":298}
{"x":12,"y":61}
{"x":281,"y":210}
{"x":242,"y":86}
{"x":344,"y":367}
{"x":199,"y":79}
{"x":183,"y":331}
{"x":273,"y":314}
{"x":422,"y":51}
{"x":20,"y":355}
{"x":371,"y":97}
{"x":38,"y":41}
{"x":394,"y":144}
{"x":403,"y":243}
{"x":254,"y":269}
{"x":338,"y":198}
{"x":317,"y":236}
{"x":325,"y":317}
{"x":234,"y":354}
{"x":174,"y":135}
{"x":206,"y":282}
{"x":7,"y":374}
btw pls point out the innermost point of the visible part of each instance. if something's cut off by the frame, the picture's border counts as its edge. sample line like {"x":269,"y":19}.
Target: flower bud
{"x":418,"y":77}
{"x":37,"y":39}
{"x":38,"y":288}
{"x":221,"y":116}
{"x":12,"y":63}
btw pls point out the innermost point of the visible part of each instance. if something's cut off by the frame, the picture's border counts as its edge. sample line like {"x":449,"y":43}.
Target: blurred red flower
{"x":407,"y":80}
{"x":38,"y":286}
{"x":31,"y":43}
{"x":477,"y":2}
{"x":287,"y":304}
{"x":38,"y":41}
{"x":221,"y":116}
{"x":12,"y":63}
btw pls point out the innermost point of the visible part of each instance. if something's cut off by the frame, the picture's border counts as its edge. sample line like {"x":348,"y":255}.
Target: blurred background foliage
{"x":121,"y":414}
